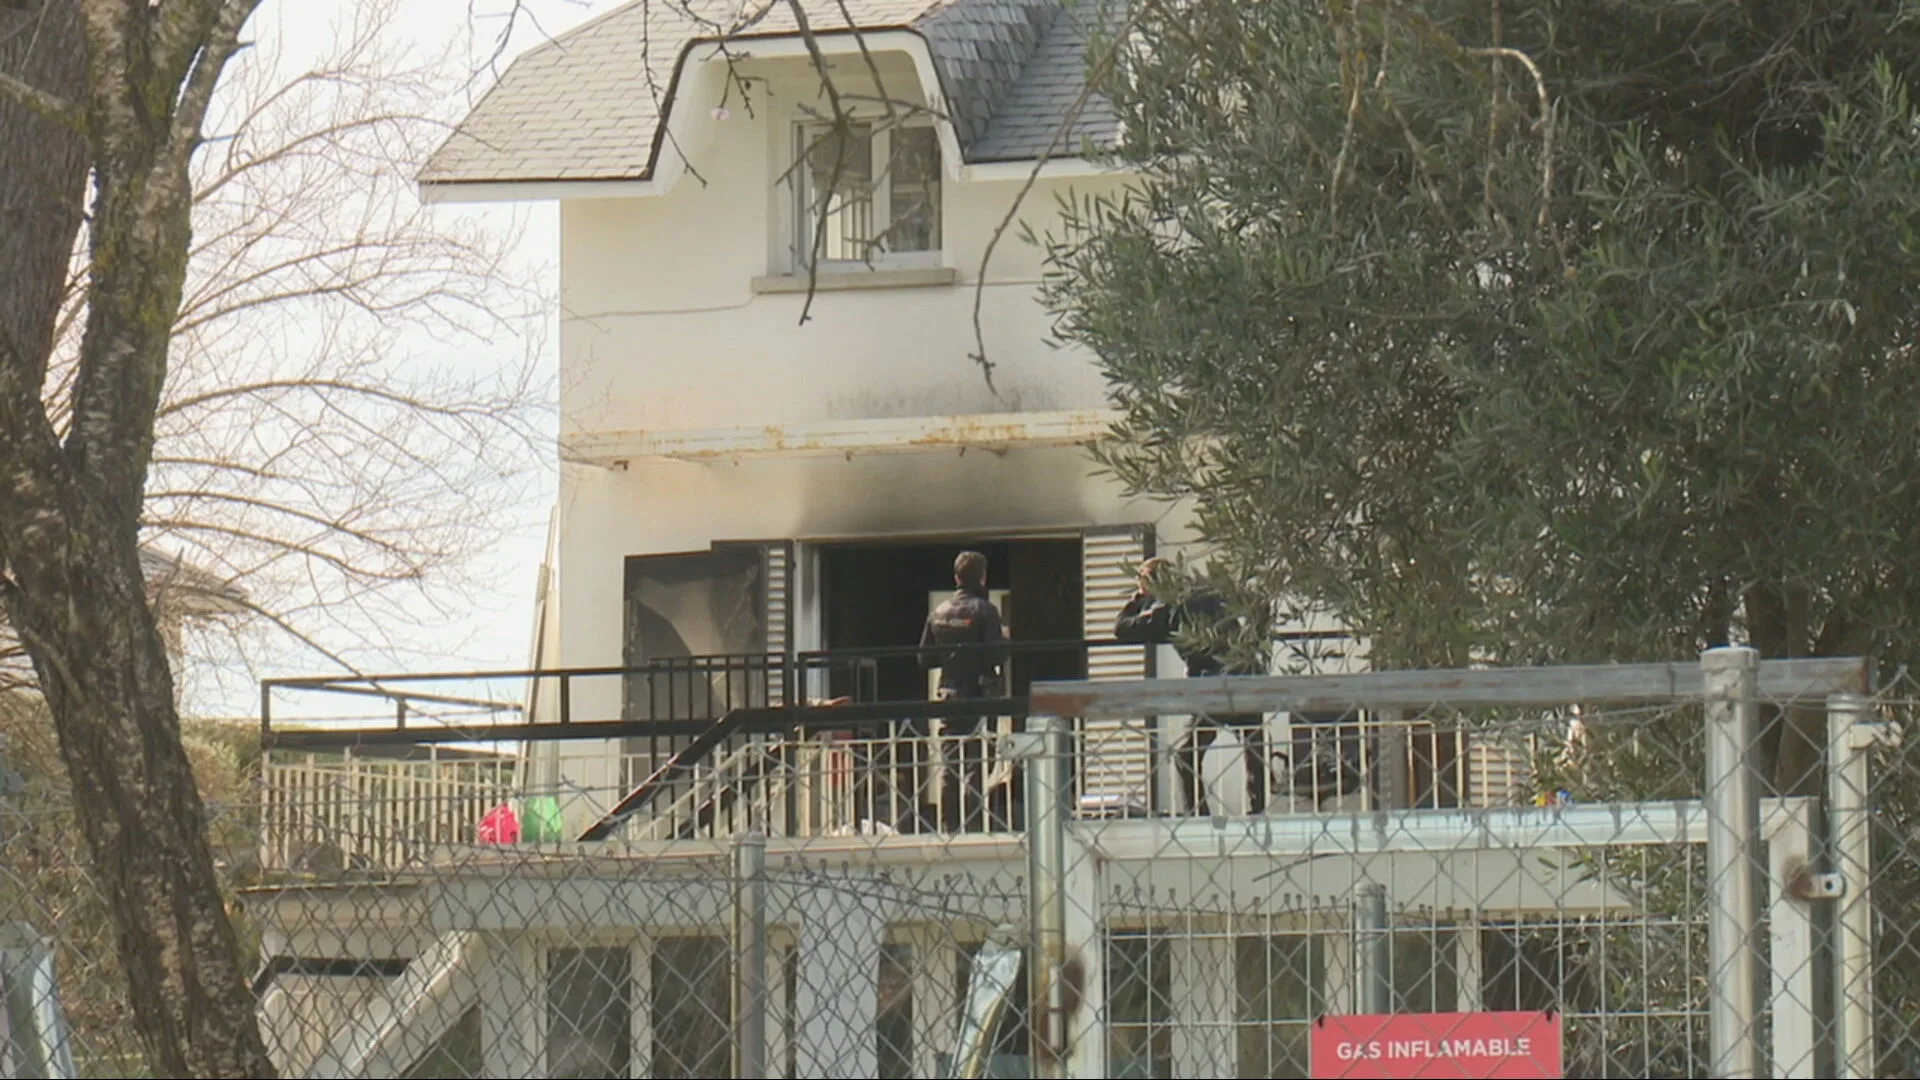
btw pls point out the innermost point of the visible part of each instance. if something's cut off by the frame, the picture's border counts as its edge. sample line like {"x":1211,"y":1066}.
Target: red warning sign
{"x":1461,"y":1046}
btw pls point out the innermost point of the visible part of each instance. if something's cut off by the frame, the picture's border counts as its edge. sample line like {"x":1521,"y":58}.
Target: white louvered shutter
{"x":779,"y":611}
{"x":1118,"y":766}
{"x":1499,"y":773}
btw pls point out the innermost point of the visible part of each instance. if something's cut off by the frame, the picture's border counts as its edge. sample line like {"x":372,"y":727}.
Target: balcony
{"x":701,"y":748}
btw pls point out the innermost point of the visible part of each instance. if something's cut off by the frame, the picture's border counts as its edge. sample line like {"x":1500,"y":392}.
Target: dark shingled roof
{"x":588,"y":105}
{"x":1044,"y":95}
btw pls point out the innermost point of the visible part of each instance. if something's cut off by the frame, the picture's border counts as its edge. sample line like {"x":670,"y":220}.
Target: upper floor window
{"x":869,"y":195}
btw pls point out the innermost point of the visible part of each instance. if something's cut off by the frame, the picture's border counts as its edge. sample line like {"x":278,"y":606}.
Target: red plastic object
{"x":500,"y":826}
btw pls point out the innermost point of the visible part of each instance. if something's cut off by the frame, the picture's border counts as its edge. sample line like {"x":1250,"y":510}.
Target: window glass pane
{"x":694,"y":604}
{"x":589,"y":1012}
{"x":1011,"y":1040}
{"x":1520,"y":968}
{"x":790,"y":976}
{"x":1139,"y":1007}
{"x":692,"y":1008}
{"x":707,"y":604}
{"x":914,"y":185}
{"x":893,"y":1016}
{"x":839,"y":193}
{"x":1425,"y":978}
{"x":1279,"y":983}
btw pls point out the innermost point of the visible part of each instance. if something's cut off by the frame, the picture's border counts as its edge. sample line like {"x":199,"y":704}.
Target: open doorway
{"x":876,"y":594}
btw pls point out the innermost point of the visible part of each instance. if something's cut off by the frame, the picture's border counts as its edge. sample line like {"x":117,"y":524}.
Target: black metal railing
{"x":672,"y":696}
{"x":679,"y":714}
{"x":676,"y":717}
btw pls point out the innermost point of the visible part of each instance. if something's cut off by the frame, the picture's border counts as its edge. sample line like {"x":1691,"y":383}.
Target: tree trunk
{"x":1792,"y":744}
{"x":104,"y":671}
{"x":43,"y":175}
{"x":70,"y":517}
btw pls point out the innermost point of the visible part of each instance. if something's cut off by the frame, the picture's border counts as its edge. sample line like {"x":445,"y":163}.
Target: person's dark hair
{"x":970,"y":569}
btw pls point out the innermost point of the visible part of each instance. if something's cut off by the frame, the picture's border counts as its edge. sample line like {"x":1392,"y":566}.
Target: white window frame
{"x":804,"y":217}
{"x":639,"y":990}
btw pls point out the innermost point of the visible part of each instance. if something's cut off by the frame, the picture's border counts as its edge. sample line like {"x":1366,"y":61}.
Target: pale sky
{"x":496,"y":632}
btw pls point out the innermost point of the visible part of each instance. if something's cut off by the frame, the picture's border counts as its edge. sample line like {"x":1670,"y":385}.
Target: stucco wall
{"x":662,"y":327}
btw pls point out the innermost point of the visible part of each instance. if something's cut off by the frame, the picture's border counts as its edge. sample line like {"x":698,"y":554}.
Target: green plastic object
{"x":541,"y":822}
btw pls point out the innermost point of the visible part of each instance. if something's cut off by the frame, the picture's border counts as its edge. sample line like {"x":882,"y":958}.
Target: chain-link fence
{"x":1451,"y":875}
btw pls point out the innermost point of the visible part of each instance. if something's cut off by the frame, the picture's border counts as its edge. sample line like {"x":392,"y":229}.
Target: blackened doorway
{"x":876,"y":595}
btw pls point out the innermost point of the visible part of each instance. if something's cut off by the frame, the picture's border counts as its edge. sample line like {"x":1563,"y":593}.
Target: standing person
{"x":1148,"y":621}
{"x":964,"y":638}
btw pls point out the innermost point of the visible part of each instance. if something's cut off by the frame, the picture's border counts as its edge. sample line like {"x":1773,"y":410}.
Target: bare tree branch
{"x":217,"y":42}
{"x":1546,"y":121}
{"x":48,"y":105}
{"x":297,"y":448}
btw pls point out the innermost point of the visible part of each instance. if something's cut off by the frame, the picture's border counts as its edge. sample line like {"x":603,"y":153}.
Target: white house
{"x":773,"y":329}
{"x":815,"y":476}
{"x":777,"y":431}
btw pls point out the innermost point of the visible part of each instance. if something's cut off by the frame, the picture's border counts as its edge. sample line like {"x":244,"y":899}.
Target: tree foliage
{"x":1524,"y":332}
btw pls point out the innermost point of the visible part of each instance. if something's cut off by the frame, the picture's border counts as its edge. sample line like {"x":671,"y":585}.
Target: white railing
{"x":745,"y":788}
{"x":829,"y":785}
{"x":325,"y":812}
{"x":344,"y":812}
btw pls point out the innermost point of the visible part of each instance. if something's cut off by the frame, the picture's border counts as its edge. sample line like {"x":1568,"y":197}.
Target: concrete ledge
{"x":846,"y":280}
{"x":990,"y":431}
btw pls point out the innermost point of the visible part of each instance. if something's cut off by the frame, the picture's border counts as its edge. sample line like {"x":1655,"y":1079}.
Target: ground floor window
{"x":1426,"y":972}
{"x":692,"y":1008}
{"x":1139,"y":1007}
{"x":592,"y":996}
{"x":589,"y":1012}
{"x":893,"y":1012}
{"x":1011,"y":1039}
{"x":1280,"y":982}
{"x":1628,"y":990}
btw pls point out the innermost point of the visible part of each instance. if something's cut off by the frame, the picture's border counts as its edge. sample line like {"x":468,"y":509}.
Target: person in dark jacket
{"x":1150,"y":621}
{"x":965,"y":639}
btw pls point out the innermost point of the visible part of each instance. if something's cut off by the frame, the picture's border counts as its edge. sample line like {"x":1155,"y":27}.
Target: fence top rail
{"x":1780,"y":681}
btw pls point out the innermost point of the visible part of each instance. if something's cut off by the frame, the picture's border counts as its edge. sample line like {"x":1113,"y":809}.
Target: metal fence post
{"x":1788,"y":827}
{"x":1084,"y":1047}
{"x":1373,"y":951}
{"x":1851,"y":733}
{"x":31,"y":1015}
{"x":750,"y":957}
{"x":1732,"y":677}
{"x":1047,"y":790}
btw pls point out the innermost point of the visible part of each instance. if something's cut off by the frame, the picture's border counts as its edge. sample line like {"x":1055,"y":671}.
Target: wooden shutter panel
{"x":1119,"y":764}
